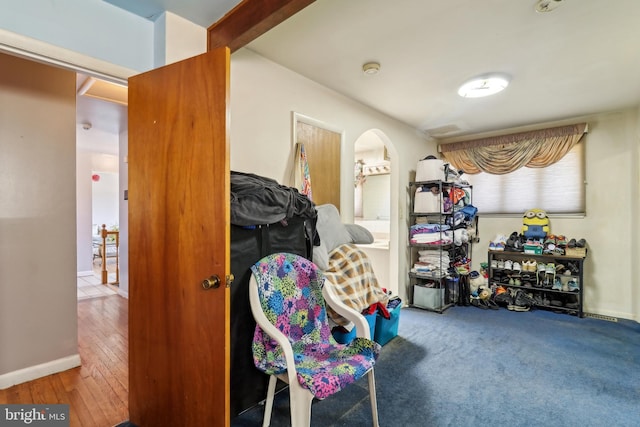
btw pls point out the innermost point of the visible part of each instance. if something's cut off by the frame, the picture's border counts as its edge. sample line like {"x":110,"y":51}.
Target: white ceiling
{"x":583,"y":58}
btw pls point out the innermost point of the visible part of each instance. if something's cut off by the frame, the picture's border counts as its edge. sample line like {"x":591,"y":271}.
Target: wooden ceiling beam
{"x":249,"y":20}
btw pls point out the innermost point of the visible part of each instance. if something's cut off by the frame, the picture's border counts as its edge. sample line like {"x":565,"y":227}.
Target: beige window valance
{"x":504,"y":154}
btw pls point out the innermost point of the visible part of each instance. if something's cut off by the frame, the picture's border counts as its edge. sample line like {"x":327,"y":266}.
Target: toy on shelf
{"x":535,"y":224}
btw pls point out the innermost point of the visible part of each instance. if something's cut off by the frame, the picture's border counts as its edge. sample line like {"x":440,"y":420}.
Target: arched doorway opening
{"x":376,"y":203}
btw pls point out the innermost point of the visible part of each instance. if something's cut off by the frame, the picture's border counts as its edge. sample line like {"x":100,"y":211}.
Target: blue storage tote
{"x":347,"y":337}
{"x":386,"y":329}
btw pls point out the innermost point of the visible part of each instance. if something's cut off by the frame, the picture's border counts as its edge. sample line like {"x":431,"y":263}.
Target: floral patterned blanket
{"x":290,"y":290}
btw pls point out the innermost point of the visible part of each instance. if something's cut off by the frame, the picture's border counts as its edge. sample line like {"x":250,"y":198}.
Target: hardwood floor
{"x":97,"y":391}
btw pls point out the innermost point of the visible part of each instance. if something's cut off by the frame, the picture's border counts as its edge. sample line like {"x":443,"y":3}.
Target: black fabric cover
{"x":259,"y":200}
{"x":266,"y":217}
{"x":248,"y":245}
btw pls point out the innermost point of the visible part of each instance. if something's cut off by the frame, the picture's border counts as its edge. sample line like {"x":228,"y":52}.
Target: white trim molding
{"x":38,"y":371}
{"x":26,"y":47}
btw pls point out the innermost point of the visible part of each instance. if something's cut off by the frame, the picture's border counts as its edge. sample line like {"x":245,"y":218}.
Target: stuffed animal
{"x":484,"y":293}
{"x":476,"y":283}
{"x":535,"y":224}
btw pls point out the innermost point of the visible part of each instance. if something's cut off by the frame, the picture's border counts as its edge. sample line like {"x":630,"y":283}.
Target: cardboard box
{"x":387,"y":329}
{"x":576,"y":252}
{"x":532,"y":249}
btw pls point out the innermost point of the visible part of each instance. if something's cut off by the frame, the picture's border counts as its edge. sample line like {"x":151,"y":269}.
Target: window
{"x":558,"y":189}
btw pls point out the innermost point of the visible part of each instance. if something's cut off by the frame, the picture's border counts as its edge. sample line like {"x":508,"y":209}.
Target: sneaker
{"x":504,"y":298}
{"x":516,"y":267}
{"x":561,"y":241}
{"x":494,"y":263}
{"x":523,"y":298}
{"x":508,"y":265}
{"x":541,"y":269}
{"x":533,"y":265}
{"x":573,"y":302}
{"x":557,"y":284}
{"x":492,"y":246}
{"x":500,"y":263}
{"x":572,"y":285}
{"x":522,"y":301}
{"x":550,"y":268}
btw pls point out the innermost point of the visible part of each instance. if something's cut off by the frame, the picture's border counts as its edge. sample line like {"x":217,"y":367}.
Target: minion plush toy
{"x":535,"y":224}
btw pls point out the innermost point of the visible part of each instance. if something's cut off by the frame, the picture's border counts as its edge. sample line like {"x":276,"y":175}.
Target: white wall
{"x":611,"y":279}
{"x":263,"y":97}
{"x":96,"y":150}
{"x":90,"y":27}
{"x":38,"y":302}
{"x":123,"y":288}
{"x":176,"y":39}
{"x":105,"y":200}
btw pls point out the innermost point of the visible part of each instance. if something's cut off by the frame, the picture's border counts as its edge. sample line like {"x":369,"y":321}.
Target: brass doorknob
{"x":212,"y":282}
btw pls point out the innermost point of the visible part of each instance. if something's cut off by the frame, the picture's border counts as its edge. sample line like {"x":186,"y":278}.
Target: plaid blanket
{"x":352,"y":277}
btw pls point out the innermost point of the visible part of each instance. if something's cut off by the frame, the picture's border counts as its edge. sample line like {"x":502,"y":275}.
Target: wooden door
{"x":322,"y":147}
{"x":178,"y":236}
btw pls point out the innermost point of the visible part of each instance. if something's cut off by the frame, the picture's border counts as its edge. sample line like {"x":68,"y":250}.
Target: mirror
{"x":372,"y":181}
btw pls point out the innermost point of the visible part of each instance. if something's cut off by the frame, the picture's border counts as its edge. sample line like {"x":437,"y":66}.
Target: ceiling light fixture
{"x":547,"y":5}
{"x":371,"y":68}
{"x":483,"y":86}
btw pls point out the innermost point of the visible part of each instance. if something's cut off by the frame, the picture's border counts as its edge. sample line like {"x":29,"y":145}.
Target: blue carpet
{"x":473,"y":367}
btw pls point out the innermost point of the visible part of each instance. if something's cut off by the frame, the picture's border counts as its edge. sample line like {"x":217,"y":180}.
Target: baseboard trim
{"x":85,"y":273}
{"x":38,"y":371}
{"x":124,"y":294}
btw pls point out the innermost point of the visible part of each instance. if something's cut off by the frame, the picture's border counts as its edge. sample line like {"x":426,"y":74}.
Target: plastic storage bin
{"x":347,"y":337}
{"x":386,"y":329}
{"x":429,"y":298}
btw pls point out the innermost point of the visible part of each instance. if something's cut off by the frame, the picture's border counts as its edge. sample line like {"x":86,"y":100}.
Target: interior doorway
{"x":101,"y":119}
{"x":375,"y":204}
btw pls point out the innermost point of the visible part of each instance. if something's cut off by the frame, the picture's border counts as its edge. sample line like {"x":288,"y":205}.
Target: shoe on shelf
{"x":508,"y":265}
{"x":573,"y":267}
{"x":561,"y":241}
{"x":500,"y":263}
{"x":494,"y":263}
{"x":572,"y":243}
{"x":550,"y":268}
{"x":572,"y":302}
{"x":516,"y":267}
{"x":572,"y":285}
{"x":581,"y":243}
{"x":550,"y":239}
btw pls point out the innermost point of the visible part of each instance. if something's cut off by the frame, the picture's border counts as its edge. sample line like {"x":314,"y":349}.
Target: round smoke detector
{"x":547,"y":5}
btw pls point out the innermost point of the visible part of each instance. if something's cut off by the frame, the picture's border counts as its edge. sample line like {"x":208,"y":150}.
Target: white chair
{"x":280,"y":287}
